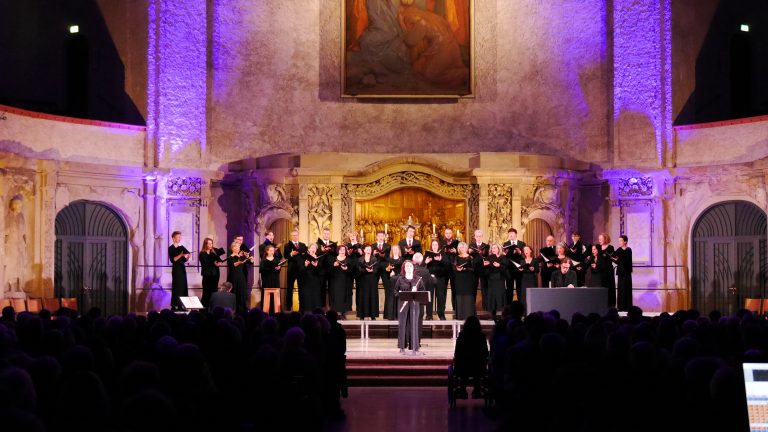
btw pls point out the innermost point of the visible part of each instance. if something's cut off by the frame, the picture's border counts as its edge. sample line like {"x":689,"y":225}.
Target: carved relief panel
{"x":16,"y":230}
{"x":183,"y":201}
{"x":541,"y":200}
{"x":351,"y":192}
{"x":499,"y":211}
{"x":276,"y":201}
{"x":320,"y":198}
{"x":636,"y":215}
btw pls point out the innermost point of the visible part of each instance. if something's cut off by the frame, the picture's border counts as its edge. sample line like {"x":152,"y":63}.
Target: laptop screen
{"x":756,"y":384}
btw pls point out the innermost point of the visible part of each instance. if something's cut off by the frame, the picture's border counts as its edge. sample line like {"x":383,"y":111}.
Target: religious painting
{"x":407,"y":48}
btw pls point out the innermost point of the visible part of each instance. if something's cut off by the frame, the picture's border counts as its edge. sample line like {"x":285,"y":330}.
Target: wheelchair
{"x":454,"y":387}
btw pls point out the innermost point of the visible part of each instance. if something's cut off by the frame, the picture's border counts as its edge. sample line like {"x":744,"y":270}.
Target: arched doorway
{"x":728,"y":256}
{"x":282,"y":229}
{"x":536,"y":233}
{"x":91,"y":262}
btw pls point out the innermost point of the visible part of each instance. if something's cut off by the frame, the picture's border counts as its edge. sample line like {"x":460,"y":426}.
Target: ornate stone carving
{"x":278,"y":201}
{"x":351,"y":192}
{"x":545,"y":203}
{"x":319,"y":198}
{"x":184,"y":187}
{"x":409,"y":178}
{"x":347,"y":210}
{"x":499,"y":211}
{"x":473,"y":205}
{"x":275,"y":194}
{"x":635,"y":186}
{"x":546,"y":195}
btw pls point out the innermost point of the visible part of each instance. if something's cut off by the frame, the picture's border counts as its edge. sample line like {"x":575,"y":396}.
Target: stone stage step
{"x":397,"y":371}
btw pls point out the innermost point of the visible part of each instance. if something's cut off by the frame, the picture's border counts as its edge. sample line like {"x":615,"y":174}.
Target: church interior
{"x":123,"y":122}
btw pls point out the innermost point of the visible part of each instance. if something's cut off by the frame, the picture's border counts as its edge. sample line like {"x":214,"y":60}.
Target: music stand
{"x":191,"y":303}
{"x":416,"y":298}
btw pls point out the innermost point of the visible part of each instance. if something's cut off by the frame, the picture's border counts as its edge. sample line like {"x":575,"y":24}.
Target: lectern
{"x":415,"y":298}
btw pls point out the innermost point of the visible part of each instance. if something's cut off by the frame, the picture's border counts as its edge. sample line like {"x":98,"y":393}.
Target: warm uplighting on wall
{"x":745,"y":27}
{"x":74,"y":29}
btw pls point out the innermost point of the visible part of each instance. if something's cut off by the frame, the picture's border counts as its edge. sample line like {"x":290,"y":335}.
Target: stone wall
{"x":542,"y":85}
{"x":39,"y":136}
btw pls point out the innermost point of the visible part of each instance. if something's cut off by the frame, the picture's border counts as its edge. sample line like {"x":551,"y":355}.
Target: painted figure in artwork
{"x":433,"y":49}
{"x":407,"y":47}
{"x":15,"y":246}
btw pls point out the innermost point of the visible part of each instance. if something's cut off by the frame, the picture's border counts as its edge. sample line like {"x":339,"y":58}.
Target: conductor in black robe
{"x":408,"y":281}
{"x":409,"y":245}
{"x":178,"y":256}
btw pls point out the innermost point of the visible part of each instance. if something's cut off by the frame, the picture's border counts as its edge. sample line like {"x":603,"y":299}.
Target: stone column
{"x":517,"y":208}
{"x":336,"y":213}
{"x":150,"y":195}
{"x":177,"y":80}
{"x":303,"y":214}
{"x":613,"y":226}
{"x":161,"y":230}
{"x":482,"y":217}
{"x":47,"y":233}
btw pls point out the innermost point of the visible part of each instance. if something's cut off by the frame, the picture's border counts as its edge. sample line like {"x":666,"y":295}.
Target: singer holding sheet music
{"x":495,"y":269}
{"x":210,"y":260}
{"x":367,"y":298}
{"x":235,"y":261}
{"x":408,"y":281}
{"x":269,"y":269}
{"x":293,"y":252}
{"x":623,"y":259}
{"x":311,"y":275}
{"x":608,"y":279}
{"x":466,"y":283}
{"x":439,"y":265}
{"x":547,"y":255}
{"x":340,"y":270}
{"x":529,"y":268}
{"x":178,"y":255}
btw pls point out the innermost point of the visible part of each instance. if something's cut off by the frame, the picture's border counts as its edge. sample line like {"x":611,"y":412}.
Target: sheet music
{"x":191,"y":302}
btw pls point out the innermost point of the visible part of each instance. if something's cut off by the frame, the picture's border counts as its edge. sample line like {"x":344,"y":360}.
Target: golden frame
{"x":374,"y":94}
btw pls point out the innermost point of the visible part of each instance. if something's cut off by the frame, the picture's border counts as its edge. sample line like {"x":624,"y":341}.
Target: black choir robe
{"x":408,"y":253}
{"x":179,"y":287}
{"x":311,"y":274}
{"x":623,"y":259}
